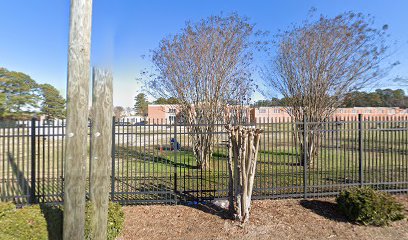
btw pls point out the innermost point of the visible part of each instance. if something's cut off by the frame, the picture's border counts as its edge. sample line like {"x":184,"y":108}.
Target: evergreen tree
{"x":141,"y":104}
{"x":53,"y":104}
{"x":170,"y":100}
{"x":379,"y":98}
{"x":19,"y":95}
{"x":160,"y":100}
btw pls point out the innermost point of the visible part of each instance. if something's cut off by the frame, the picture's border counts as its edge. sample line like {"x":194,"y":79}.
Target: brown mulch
{"x":270,"y":219}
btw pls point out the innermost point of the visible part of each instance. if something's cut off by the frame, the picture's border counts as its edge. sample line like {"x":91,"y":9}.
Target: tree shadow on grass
{"x":280,"y":153}
{"x":54,"y":217}
{"x":328,"y":210}
{"x":146,"y":156}
{"x":341,"y":180}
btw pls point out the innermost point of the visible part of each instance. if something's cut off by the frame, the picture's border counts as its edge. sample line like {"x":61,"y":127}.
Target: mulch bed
{"x":270,"y":219}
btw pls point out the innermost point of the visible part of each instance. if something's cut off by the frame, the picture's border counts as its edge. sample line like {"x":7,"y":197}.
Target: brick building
{"x":273,"y":114}
{"x":167,"y":113}
{"x":269,"y":114}
{"x":163,"y":113}
{"x":371,"y":111}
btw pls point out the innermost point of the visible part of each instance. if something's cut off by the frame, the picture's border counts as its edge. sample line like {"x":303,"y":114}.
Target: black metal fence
{"x":155,"y":163}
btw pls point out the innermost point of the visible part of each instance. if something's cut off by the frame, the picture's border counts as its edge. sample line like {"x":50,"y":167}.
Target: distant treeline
{"x":21,"y":97}
{"x":378,"y":98}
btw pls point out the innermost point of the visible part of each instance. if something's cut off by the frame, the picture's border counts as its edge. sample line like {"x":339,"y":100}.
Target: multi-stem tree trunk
{"x":203,"y":152}
{"x":311,"y":146}
{"x":203,"y":139}
{"x":244,"y":143}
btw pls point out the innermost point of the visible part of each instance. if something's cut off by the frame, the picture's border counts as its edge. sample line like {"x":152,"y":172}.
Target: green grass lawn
{"x":277,"y":168}
{"x":147,"y":168}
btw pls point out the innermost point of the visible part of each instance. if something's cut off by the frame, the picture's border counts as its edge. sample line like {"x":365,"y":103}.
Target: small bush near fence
{"x":369,"y":207}
{"x":115,"y":221}
{"x":45,"y":222}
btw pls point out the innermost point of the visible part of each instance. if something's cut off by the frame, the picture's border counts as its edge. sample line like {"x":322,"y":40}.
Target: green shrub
{"x":46,"y":222}
{"x":369,"y":207}
{"x":115,"y":221}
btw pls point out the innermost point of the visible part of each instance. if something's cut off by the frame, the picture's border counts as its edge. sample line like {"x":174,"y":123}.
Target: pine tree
{"x":19,"y":95}
{"x":53,"y":104}
{"x":141,"y":104}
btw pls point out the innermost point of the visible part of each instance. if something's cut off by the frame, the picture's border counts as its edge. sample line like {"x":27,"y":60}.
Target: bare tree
{"x":205,"y":67}
{"x":118,"y":112}
{"x":318,"y":63}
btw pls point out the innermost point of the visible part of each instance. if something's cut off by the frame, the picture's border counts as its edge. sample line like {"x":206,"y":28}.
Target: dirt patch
{"x":270,"y":219}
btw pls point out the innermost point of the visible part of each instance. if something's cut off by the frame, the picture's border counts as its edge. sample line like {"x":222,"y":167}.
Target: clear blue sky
{"x":34,"y":34}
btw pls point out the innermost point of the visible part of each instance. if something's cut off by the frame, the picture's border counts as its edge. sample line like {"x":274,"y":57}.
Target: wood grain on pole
{"x":77,"y":118}
{"x":102,"y":113}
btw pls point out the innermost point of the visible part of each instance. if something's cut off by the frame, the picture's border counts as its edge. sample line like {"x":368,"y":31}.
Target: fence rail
{"x":156,"y":163}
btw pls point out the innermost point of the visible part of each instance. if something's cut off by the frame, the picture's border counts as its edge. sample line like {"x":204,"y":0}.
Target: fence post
{"x":337,"y":133}
{"x":33,"y":175}
{"x":175,"y":160}
{"x":113,"y":160}
{"x":360,"y":149}
{"x":305,"y":162}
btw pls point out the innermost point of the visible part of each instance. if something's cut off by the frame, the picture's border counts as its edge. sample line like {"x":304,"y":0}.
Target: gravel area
{"x":270,"y":219}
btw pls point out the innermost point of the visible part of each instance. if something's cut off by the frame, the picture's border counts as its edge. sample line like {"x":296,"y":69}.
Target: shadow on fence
{"x":22,"y":187}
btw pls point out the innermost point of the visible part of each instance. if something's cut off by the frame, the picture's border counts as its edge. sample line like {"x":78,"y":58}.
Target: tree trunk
{"x":231,"y":180}
{"x":311,"y":146}
{"x":203,"y":151}
{"x":244,"y":144}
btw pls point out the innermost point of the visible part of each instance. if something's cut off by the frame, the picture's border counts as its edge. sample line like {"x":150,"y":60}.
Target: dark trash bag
{"x":174,"y":143}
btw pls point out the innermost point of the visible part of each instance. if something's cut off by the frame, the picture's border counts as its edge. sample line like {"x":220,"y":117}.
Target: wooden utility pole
{"x":102,"y":113}
{"x":77,"y":118}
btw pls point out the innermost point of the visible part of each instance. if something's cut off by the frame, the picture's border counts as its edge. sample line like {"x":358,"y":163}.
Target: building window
{"x":367,"y":111}
{"x":276,"y":111}
{"x":262,"y":110}
{"x":172,"y":118}
{"x":172,"y":110}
